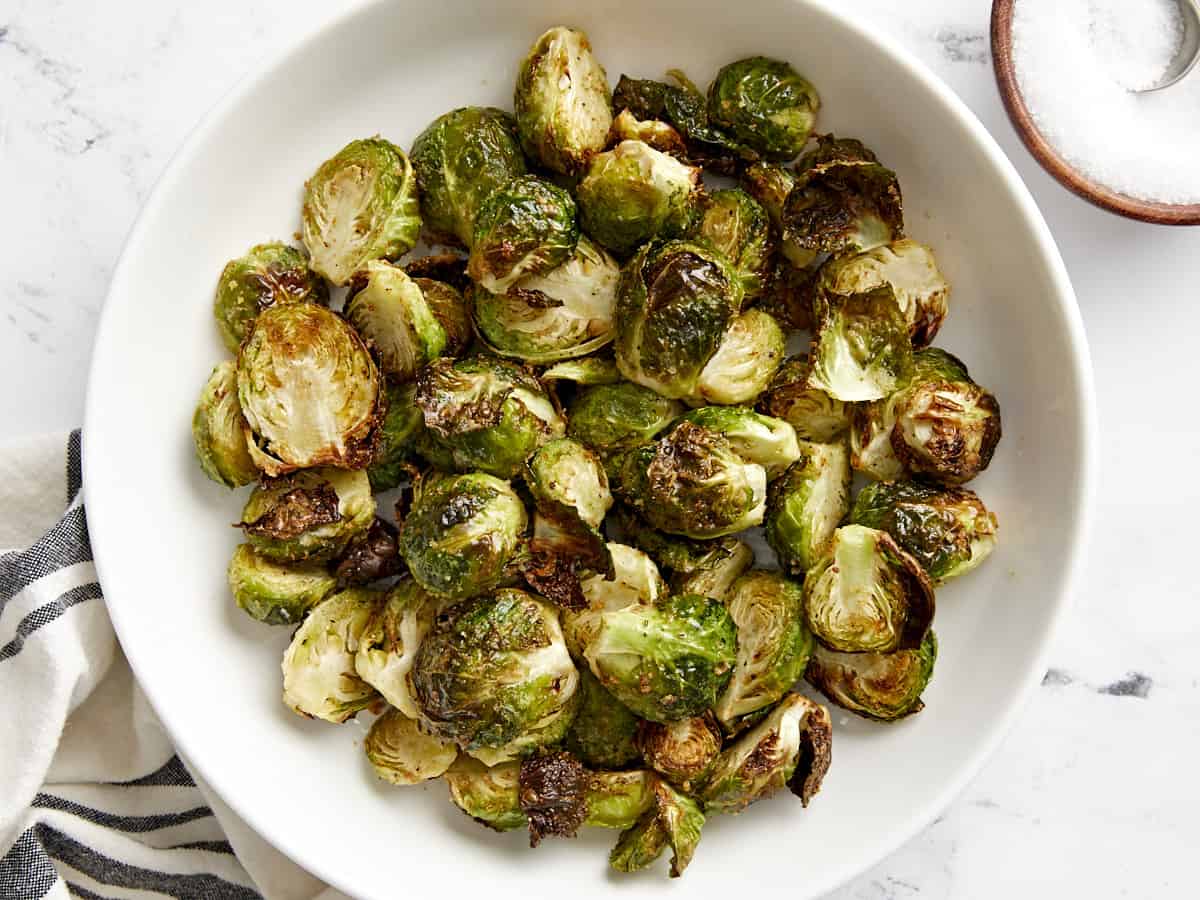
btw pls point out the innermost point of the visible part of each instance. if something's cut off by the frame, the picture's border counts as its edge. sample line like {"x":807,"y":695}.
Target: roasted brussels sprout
{"x":277,"y":593}
{"x":667,"y":661}
{"x":401,"y":753}
{"x":398,"y":433}
{"x":603,"y":731}
{"x":735,"y":224}
{"x":268,"y":274}
{"x":486,"y":414}
{"x":565,"y":313}
{"x":684,"y":751}
{"x":771,"y":184}
{"x":584,"y":372}
{"x":867,"y":595}
{"x":871,"y":427}
{"x":694,"y":483}
{"x":675,"y":303}
{"x":659,"y":135}
{"x":861,"y":349}
{"x":552,"y":788}
{"x":451,"y":311}
{"x":309,"y":390}
{"x":882,"y":686}
{"x":319,"y":678}
{"x":619,"y":799}
{"x":462,"y":533}
{"x":488,"y":794}
{"x":635,"y":580}
{"x":844,"y":201}
{"x":388,"y":309}
{"x":790,"y":747}
{"x":910,"y":270}
{"x":567,"y":474}
{"x":561,"y":101}
{"x":745,"y":362}
{"x":754,"y":437}
{"x":807,"y":504}
{"x":310,"y":515}
{"x":633,"y":193}
{"x":460,"y":159}
{"x":525,"y":227}
{"x":673,"y":820}
{"x":765,"y":104}
{"x":813,"y":414}
{"x":947,"y":530}
{"x":388,"y":645}
{"x":773,"y":645}
{"x":360,"y":205}
{"x":219,"y":430}
{"x":493,"y":674}
{"x":613,"y":418}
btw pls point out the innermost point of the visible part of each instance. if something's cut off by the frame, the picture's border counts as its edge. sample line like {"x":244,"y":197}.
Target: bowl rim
{"x":104,"y":542}
{"x":1154,"y":212}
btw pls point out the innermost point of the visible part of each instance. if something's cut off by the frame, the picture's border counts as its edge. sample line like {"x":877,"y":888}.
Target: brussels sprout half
{"x":388,"y":645}
{"x":401,"y":753}
{"x":807,"y":504}
{"x":771,"y":443}
{"x":561,"y":101}
{"x":635,"y":579}
{"x":765,"y":104}
{"x":488,"y":794}
{"x":308,"y":515}
{"x":219,"y":430}
{"x":813,"y":414}
{"x":566,"y":472}
{"x":619,"y":799}
{"x":267,"y":275}
{"x":451,"y":310}
{"x":525,"y":227}
{"x":745,"y":362}
{"x":861,"y":350}
{"x":867,"y":595}
{"x":674,"y":820}
{"x":659,"y":135}
{"x":389,"y":309}
{"x":881,"y":686}
{"x":277,"y":593}
{"x":736,"y":225}
{"x":684,"y":751}
{"x":360,"y":205}
{"x":602,"y":734}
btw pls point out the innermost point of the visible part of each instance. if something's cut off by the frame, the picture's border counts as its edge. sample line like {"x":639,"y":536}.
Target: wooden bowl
{"x":1052,"y":162}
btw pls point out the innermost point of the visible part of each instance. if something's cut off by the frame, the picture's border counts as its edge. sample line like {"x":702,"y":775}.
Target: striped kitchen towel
{"x":94,"y":801}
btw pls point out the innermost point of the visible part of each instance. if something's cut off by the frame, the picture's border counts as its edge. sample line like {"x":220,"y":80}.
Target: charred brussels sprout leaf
{"x":460,"y":159}
{"x":561,"y":101}
{"x":308,"y":389}
{"x":488,"y":794}
{"x":633,"y":193}
{"x":310,"y":515}
{"x":486,"y":414}
{"x":813,"y":414}
{"x":947,"y":530}
{"x":882,"y":686}
{"x":745,"y":362}
{"x":319,"y":678}
{"x":388,"y":645}
{"x":603,"y":730}
{"x":401,"y":753}
{"x":673,"y":820}
{"x":398,"y":434}
{"x":867,"y":595}
{"x":684,"y":751}
{"x":861,"y":350}
{"x":462,"y":533}
{"x":451,"y":312}
{"x":360,"y":205}
{"x":612,"y":418}
{"x":389,"y":309}
{"x":773,"y":645}
{"x":771,"y":443}
{"x":526,"y":227}
{"x":675,"y":303}
{"x":268,"y":275}
{"x":771,"y":185}
{"x":493,"y":674}
{"x":276,"y":593}
{"x":371,"y":556}
{"x":807,"y":504}
{"x":552,"y":789}
{"x":736,"y":225}
{"x":219,"y":431}
{"x":765,"y":104}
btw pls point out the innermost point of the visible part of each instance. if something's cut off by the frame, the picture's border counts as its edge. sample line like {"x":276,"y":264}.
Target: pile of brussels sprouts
{"x":576,"y":408}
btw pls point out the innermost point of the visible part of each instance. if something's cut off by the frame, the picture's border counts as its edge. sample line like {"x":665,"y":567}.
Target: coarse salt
{"x":1078,"y":63}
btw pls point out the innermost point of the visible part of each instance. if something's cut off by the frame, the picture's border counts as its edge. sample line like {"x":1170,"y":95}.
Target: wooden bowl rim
{"x":1069,"y":177}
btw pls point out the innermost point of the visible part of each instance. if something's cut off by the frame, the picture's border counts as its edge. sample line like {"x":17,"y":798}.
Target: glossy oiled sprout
{"x":773,"y":645}
{"x":397,"y":438}
{"x":488,"y":794}
{"x":561,"y":101}
{"x":459,"y":160}
{"x":659,"y":135}
{"x":765,"y":104}
{"x":633,"y":193}
{"x":525,"y":227}
{"x":882,"y":686}
{"x":736,"y":225}
{"x":602,"y":734}
{"x":360,"y":205}
{"x":494,"y":675}
{"x":674,"y":820}
{"x":613,"y":418}
{"x":912,"y":273}
{"x":389,"y":309}
{"x":219,"y":430}
{"x":745,"y":362}
{"x":813,"y":414}
{"x":807,"y":504}
{"x":319,"y":678}
{"x":947,"y":530}
{"x":401,"y":753}
{"x":485,"y":413}
{"x":276,"y":593}
{"x":309,"y":390}
{"x":309,"y":515}
{"x":754,"y":437}
{"x":462,"y":533}
{"x":867,"y":595}
{"x":267,"y":275}
{"x":565,"y":313}
{"x":388,"y":645}
{"x":861,"y":350}
{"x":789,"y":747}
{"x":452,"y":312}
{"x":684,"y":751}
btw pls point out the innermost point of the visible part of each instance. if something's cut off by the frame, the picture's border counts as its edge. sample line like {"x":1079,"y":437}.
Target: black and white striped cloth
{"x":94,"y":801}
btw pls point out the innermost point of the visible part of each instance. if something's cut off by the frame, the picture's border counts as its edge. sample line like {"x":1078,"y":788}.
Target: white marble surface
{"x":1095,"y":794}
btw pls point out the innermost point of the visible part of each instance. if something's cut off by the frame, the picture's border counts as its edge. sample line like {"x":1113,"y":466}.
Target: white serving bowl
{"x":161,"y":531}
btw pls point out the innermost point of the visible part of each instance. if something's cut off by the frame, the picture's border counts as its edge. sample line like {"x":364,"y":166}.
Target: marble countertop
{"x":1095,"y":792}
